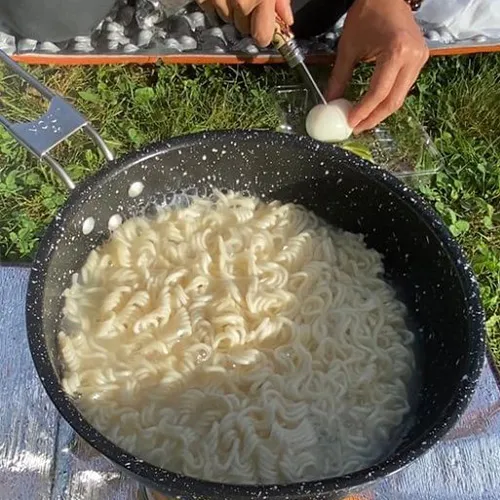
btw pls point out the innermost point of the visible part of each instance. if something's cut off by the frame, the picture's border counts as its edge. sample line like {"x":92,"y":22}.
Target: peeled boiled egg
{"x":328,"y":122}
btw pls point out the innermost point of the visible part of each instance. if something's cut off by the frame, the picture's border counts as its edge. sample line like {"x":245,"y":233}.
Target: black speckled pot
{"x":421,"y":258}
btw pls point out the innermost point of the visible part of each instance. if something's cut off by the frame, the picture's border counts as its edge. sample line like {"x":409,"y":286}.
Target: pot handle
{"x":59,"y":122}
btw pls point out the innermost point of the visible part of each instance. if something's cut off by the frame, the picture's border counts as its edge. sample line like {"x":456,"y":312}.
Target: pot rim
{"x":177,"y":484}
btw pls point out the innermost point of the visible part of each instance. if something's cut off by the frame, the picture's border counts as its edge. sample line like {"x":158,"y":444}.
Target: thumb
{"x":341,"y":74}
{"x":284,"y":10}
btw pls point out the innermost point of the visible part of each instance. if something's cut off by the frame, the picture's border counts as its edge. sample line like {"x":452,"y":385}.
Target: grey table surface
{"x":41,"y":459}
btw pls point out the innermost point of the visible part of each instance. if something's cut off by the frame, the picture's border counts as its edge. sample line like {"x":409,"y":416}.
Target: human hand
{"x":383,"y":30}
{"x":252,"y":17}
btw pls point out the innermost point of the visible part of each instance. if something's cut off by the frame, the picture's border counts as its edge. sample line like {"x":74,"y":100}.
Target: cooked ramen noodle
{"x":239,"y":341}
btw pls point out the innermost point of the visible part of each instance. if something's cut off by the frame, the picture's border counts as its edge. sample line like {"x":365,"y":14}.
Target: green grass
{"x":130,"y":106}
{"x":457,"y":99}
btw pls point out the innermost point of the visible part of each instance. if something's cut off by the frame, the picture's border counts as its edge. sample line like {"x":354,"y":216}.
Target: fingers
{"x":394,"y":100}
{"x":255,"y":17}
{"x":381,"y":84}
{"x":241,"y":21}
{"x":262,"y":23}
{"x":224,"y":8}
{"x":242,"y":10}
{"x":206,"y":6}
{"x":341,"y":74}
{"x":392,"y":79}
{"x":208,"y":9}
{"x":284,"y":10}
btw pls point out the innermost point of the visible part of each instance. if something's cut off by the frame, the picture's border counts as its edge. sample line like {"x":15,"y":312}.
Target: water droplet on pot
{"x":135,"y":189}
{"x":114,"y":222}
{"x":88,"y":225}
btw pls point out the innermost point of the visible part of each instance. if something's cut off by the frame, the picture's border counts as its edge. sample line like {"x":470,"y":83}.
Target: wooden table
{"x":197,"y":58}
{"x":40,"y":458}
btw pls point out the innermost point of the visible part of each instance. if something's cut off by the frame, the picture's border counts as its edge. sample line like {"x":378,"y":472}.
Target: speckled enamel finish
{"x":422,"y":260}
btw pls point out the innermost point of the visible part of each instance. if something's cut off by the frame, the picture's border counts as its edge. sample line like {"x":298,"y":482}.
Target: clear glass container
{"x":401,"y":145}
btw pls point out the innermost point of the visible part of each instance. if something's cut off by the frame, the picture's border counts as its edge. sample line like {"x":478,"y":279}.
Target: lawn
{"x":457,"y":99}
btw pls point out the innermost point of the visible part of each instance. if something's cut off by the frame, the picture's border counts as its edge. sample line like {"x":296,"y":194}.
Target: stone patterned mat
{"x":40,"y":458}
{"x":146,"y":28}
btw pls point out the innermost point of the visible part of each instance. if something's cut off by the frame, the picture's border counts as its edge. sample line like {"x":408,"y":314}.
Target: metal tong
{"x":284,"y":41}
{"x":59,"y":122}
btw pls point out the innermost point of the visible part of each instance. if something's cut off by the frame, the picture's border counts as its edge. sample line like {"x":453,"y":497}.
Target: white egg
{"x":328,"y":123}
